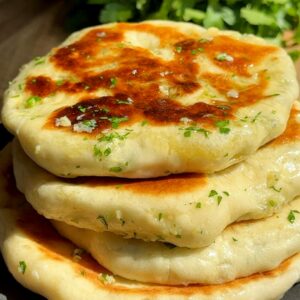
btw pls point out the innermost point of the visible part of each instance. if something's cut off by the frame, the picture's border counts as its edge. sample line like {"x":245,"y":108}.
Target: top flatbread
{"x":149,"y":99}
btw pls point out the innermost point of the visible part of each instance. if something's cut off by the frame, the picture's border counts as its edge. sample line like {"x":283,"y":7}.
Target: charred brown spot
{"x":292,"y":131}
{"x":172,"y":184}
{"x":98,"y":60}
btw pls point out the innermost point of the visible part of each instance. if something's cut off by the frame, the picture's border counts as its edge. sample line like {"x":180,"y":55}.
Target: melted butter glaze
{"x":136,"y":73}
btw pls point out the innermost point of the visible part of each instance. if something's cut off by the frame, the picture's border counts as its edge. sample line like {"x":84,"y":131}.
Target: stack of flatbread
{"x":159,"y":160}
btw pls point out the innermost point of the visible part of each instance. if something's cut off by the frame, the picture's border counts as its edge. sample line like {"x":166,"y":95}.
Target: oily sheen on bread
{"x":176,"y":209}
{"x":149,"y":99}
{"x":242,"y":249}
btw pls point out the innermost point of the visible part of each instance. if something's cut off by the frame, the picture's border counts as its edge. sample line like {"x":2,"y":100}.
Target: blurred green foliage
{"x":266,"y":18}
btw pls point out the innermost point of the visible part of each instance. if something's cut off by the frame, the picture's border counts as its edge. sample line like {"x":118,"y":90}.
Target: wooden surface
{"x":30,"y":28}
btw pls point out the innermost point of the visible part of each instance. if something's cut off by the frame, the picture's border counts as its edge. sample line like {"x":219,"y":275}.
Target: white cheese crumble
{"x":85,"y":126}
{"x":185,"y":120}
{"x":63,"y":122}
{"x":134,"y":72}
{"x":233,"y":94}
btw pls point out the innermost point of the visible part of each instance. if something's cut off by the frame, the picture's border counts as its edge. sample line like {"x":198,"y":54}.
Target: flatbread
{"x":178,"y":209}
{"x":241,"y":250}
{"x":44,"y":262}
{"x":149,"y":99}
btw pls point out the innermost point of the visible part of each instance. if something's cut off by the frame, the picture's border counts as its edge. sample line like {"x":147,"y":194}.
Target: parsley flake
{"x":198,"y":205}
{"x":224,"y":57}
{"x":113,"y":82}
{"x":223,"y":126}
{"x":189,"y":130}
{"x":115,"y":121}
{"x":291,"y":216}
{"x":33,"y":100}
{"x":115,"y":169}
{"x":22,"y":267}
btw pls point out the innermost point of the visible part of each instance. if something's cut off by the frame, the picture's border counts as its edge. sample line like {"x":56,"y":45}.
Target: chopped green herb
{"x":226,"y":193}
{"x":212,"y":193}
{"x":272,"y":95}
{"x":272,"y":203}
{"x":223,"y":126}
{"x":115,"y":169}
{"x":144,"y":122}
{"x":105,"y":110}
{"x":97,"y":151}
{"x":113,"y":82}
{"x":33,"y":100}
{"x":294,"y":54}
{"x":115,"y":121}
{"x":160,"y":215}
{"x":103,"y":221}
{"x":278,"y":190}
{"x":22,"y":266}
{"x":234,"y":239}
{"x":107,"y":151}
{"x":219,"y":199}
{"x":118,"y":186}
{"x":189,"y":130}
{"x":224,"y":57}
{"x":198,"y":205}
{"x":291,"y":216}
{"x":178,"y":49}
{"x":82,"y":109}
{"x":178,"y":236}
{"x":255,"y":117}
{"x":196,"y":51}
{"x":90,"y":123}
{"x":82,"y":273}
{"x":39,"y":60}
{"x":59,"y":82}
{"x":114,"y":135}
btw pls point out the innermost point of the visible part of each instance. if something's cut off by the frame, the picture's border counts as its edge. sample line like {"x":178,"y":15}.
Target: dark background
{"x":28,"y":29}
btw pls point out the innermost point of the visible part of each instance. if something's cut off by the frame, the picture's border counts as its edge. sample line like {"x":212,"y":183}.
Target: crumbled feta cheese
{"x":63,"y":122}
{"x":134,"y":72}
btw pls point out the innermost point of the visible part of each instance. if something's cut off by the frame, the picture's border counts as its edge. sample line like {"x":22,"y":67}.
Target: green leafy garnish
{"x":22,"y":267}
{"x":33,"y":100}
{"x":113,"y":82}
{"x":189,"y":130}
{"x":115,"y":169}
{"x":291,"y":216}
{"x":224,"y":57}
{"x":198,"y":205}
{"x":266,"y":18}
{"x":223,"y":126}
{"x":39,"y":60}
{"x":115,"y":121}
